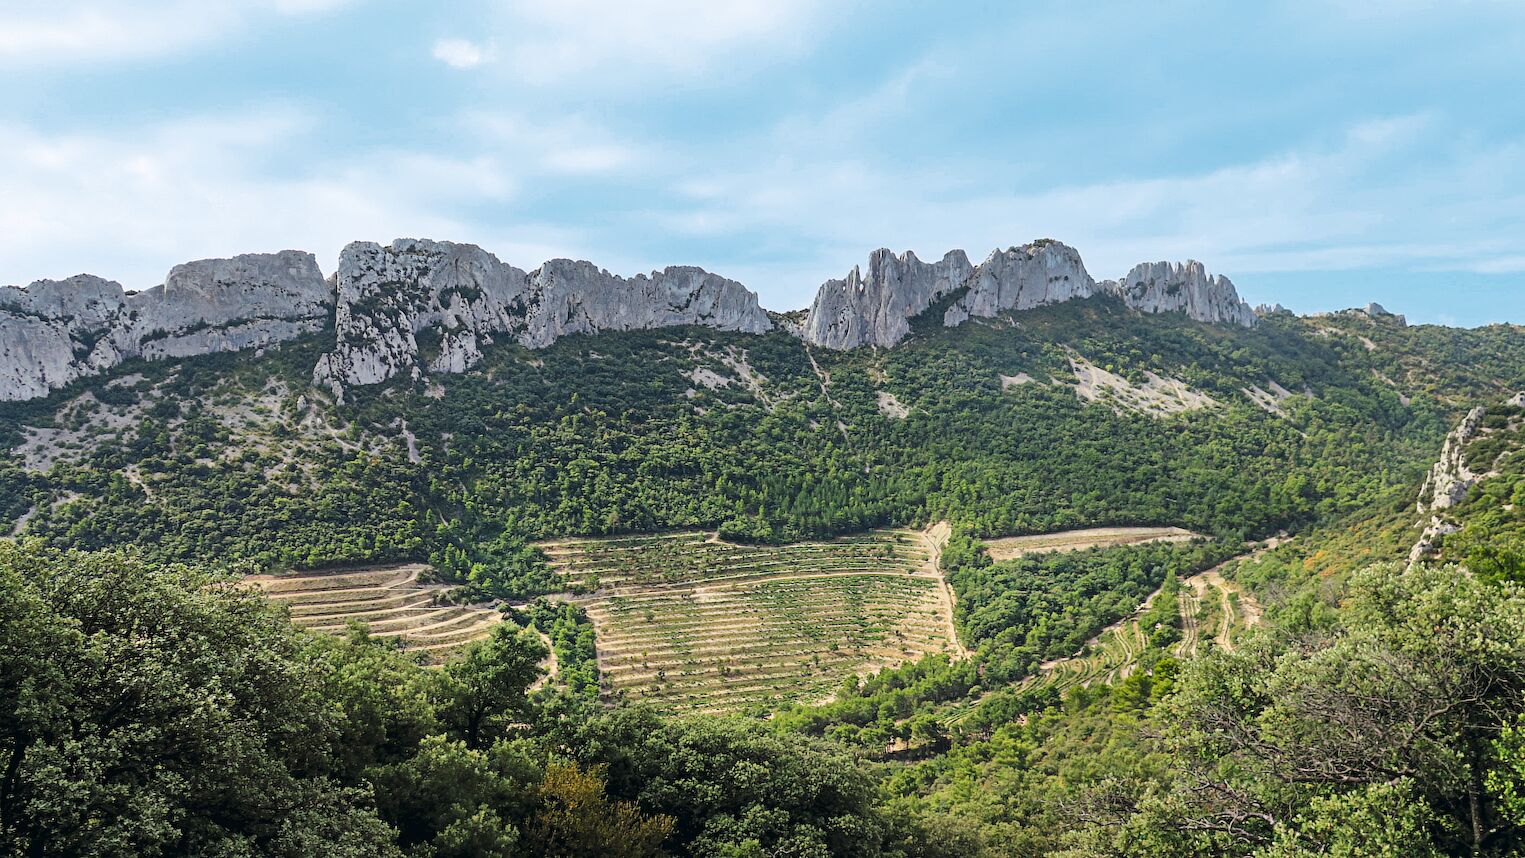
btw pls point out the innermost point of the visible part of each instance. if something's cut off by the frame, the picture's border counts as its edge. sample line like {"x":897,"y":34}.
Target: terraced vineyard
{"x":389,"y":601}
{"x":688,"y":622}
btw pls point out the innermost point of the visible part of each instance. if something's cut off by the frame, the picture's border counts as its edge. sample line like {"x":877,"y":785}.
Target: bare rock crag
{"x":874,"y":306}
{"x":417,"y":307}
{"x":56,"y":331}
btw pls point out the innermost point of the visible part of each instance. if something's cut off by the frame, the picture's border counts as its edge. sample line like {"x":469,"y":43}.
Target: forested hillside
{"x":152,"y":703}
{"x":236,"y":459}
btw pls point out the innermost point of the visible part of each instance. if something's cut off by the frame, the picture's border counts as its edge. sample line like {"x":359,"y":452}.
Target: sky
{"x":1322,"y":155}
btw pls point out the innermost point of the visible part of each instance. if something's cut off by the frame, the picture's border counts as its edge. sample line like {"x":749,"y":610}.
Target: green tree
{"x":156,"y":711}
{"x":483,"y":692}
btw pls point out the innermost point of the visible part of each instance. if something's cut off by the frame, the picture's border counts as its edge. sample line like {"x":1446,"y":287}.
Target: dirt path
{"x":635,"y":591}
{"x":547,"y":664}
{"x":824,"y":378}
{"x":1190,"y":605}
{"x":1224,"y":638}
{"x":935,"y":538}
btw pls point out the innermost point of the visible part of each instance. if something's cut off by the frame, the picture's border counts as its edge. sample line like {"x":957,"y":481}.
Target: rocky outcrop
{"x":1446,"y":485}
{"x":56,"y":331}
{"x":1182,"y":287}
{"x":1021,"y":278}
{"x":417,"y":306}
{"x":567,"y":297}
{"x":1376,"y":311}
{"x":874,"y":307}
{"x":1449,"y":479}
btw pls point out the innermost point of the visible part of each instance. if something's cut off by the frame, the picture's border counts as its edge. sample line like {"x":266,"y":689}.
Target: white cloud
{"x":57,"y":32}
{"x":129,"y":204}
{"x":460,"y":53}
{"x":1394,"y":191}
{"x":550,"y":41}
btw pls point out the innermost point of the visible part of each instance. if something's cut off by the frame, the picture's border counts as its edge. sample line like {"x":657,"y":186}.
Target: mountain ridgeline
{"x":416,"y":307}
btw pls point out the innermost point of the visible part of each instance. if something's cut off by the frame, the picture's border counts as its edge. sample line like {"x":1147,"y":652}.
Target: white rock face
{"x":1021,"y":278}
{"x":419,"y":306}
{"x":416,"y":307}
{"x":875,"y":307}
{"x":568,"y":297}
{"x":1446,"y":485}
{"x":1450,"y":478}
{"x":1182,"y":287}
{"x":457,"y":295}
{"x":53,"y":332}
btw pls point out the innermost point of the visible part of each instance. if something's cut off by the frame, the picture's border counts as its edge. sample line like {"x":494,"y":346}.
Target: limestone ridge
{"x":874,"y":307}
{"x":454,"y":297}
{"x":56,"y":331}
{"x":417,"y":306}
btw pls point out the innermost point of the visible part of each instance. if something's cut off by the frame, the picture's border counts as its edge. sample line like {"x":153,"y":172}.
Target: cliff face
{"x":55,"y":331}
{"x":1182,"y":287}
{"x":874,"y":308}
{"x":1021,"y":278}
{"x":424,"y":306}
{"x":1447,"y":483}
{"x":416,"y":307}
{"x":569,"y":297}
{"x":455,"y":297}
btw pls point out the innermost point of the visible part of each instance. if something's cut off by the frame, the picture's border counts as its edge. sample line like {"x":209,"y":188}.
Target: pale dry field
{"x":1007,"y":547}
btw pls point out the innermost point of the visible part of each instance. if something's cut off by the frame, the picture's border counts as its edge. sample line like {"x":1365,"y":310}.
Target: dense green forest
{"x":149,"y":706}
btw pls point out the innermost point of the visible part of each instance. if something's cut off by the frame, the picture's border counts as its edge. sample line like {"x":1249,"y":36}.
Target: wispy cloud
{"x":71,"y":32}
{"x":553,"y":41}
{"x":569,"y":144}
{"x":1324,"y":207}
{"x":193,"y":188}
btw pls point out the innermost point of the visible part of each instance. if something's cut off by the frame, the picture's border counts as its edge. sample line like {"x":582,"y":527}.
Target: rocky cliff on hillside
{"x":874,"y":307}
{"x":1446,"y":484}
{"x":55,"y":331}
{"x":1021,"y":278}
{"x":567,"y":297}
{"x":416,"y":307}
{"x":1181,"y":287}
{"x":1450,"y":478}
{"x":420,"y":306}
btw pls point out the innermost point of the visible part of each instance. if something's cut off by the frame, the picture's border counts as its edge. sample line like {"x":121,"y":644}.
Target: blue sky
{"x":1320,"y":154}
